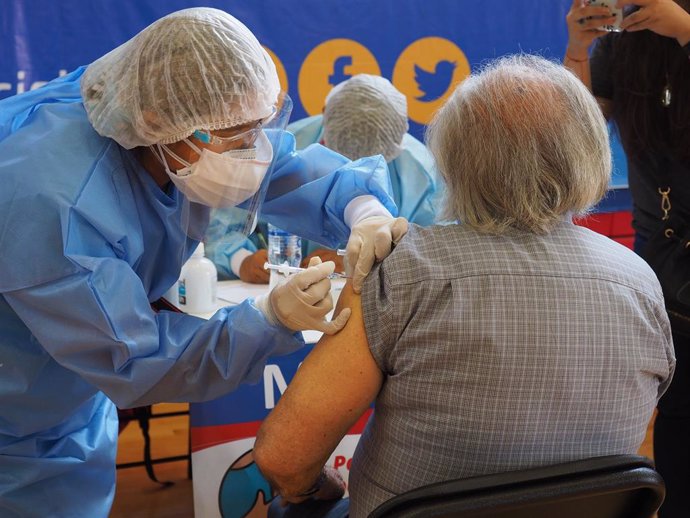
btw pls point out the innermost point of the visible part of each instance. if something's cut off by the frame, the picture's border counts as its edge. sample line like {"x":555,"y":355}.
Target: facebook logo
{"x":339,"y":75}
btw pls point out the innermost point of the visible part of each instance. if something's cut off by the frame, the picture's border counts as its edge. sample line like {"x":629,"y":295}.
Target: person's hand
{"x":665,"y":17}
{"x":583,"y":22}
{"x":325,"y":254}
{"x":252,"y":268}
{"x":371,"y":240}
{"x":331,"y":486}
{"x":303,"y":301}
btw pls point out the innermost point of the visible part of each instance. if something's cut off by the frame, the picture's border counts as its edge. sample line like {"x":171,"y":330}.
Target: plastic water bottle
{"x":283,"y":247}
{"x":197,"y":284}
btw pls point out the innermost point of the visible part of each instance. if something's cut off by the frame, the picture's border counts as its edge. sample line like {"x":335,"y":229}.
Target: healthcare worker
{"x":108,"y":175}
{"x":363,"y":116}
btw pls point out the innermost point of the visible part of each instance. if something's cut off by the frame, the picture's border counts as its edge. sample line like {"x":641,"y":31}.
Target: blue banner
{"x":423,"y":46}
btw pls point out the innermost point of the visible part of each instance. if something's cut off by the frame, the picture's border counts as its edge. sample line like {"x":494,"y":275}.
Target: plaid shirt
{"x":506,"y":352}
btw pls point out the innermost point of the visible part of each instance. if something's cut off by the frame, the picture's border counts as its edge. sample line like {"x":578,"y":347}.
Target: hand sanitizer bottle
{"x":197,"y":284}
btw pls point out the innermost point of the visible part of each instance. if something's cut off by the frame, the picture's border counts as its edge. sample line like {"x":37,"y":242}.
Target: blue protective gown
{"x":414,"y":181}
{"x":413,"y":175}
{"x":88,"y":240}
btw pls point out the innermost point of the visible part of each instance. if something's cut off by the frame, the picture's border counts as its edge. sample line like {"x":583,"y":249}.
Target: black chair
{"x":617,"y":486}
{"x":143,"y":415}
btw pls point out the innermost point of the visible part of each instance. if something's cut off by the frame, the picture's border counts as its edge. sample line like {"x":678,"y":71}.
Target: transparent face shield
{"x":221,"y":192}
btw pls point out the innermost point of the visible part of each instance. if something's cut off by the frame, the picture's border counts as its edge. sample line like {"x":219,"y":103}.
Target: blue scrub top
{"x":88,"y":241}
{"x":415,"y":182}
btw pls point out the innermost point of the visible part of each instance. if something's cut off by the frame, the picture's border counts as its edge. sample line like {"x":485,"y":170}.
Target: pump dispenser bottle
{"x":197,"y":284}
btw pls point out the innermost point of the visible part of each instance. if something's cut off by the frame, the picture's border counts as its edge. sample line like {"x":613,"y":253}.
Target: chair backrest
{"x":617,"y":486}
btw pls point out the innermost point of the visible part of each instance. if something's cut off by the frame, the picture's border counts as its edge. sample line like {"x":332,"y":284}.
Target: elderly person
{"x":108,"y":175}
{"x":363,"y":116}
{"x":510,"y":340}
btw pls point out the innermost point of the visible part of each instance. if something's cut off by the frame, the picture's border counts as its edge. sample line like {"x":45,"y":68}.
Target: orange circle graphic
{"x":427,"y":72}
{"x":328,"y":64}
{"x":282,"y":74}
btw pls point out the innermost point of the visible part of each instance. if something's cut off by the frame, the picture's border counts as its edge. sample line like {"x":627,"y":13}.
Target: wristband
{"x":580,"y":60}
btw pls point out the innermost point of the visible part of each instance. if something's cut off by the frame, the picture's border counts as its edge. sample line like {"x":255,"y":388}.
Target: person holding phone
{"x":641,"y":79}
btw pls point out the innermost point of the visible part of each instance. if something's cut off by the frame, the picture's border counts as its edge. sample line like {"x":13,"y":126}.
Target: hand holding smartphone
{"x":618,"y":13}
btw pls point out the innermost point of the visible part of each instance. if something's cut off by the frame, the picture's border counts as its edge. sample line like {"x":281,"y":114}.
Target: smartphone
{"x":618,"y":13}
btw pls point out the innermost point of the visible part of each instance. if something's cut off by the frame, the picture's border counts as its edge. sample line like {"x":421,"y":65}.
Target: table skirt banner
{"x":227,"y":483}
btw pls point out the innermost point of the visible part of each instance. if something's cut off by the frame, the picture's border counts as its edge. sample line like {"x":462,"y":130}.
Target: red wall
{"x":616,"y":225}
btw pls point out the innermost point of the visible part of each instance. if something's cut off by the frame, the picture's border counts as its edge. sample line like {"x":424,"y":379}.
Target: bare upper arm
{"x":336,"y":383}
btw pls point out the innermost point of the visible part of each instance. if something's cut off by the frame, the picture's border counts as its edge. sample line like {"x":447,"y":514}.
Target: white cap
{"x":197,"y":68}
{"x":365,"y":115}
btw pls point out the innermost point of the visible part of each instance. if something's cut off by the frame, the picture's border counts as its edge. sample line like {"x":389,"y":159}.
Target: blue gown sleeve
{"x":310,"y":189}
{"x":98,"y":324}
{"x":222,"y":240}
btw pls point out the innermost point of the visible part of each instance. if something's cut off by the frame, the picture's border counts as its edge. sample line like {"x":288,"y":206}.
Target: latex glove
{"x":326,"y":254}
{"x":371,"y":240}
{"x":252,"y":268}
{"x":303,"y":301}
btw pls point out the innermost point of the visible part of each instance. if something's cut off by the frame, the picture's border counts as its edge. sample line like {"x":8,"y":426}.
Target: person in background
{"x":363,"y":116}
{"x":641,"y":79}
{"x":108,"y":176}
{"x":511,"y":340}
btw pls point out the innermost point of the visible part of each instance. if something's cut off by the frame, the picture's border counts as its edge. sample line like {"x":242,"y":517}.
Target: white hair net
{"x":194,"y":69}
{"x":365,"y":115}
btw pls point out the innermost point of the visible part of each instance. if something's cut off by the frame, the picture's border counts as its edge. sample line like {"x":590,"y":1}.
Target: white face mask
{"x":221,"y":180}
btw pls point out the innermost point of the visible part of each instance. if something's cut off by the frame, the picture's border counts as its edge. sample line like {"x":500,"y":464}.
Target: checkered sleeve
{"x":380,"y":313}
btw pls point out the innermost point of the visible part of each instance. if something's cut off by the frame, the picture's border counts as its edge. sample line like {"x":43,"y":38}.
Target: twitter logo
{"x":434,"y":84}
{"x":426,"y":71}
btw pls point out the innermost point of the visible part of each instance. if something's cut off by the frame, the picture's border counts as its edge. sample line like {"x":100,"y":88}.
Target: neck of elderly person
{"x":512,"y":340}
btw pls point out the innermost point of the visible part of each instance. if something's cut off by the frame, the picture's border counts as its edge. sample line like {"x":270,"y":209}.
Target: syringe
{"x":287,"y":270}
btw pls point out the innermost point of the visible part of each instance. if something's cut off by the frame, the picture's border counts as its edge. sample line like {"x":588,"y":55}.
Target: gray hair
{"x":520,"y":145}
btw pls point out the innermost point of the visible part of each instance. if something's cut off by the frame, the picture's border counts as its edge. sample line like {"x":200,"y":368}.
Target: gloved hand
{"x":303,"y":301}
{"x":371,"y":240}
{"x":252,"y":268}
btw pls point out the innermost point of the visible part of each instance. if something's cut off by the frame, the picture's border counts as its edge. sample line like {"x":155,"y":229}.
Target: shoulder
{"x":423,"y":253}
{"x":53,"y":168}
{"x":416,"y":150}
{"x":614,"y":261}
{"x":442,"y":252}
{"x":55,"y":153}
{"x":307,"y":131}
